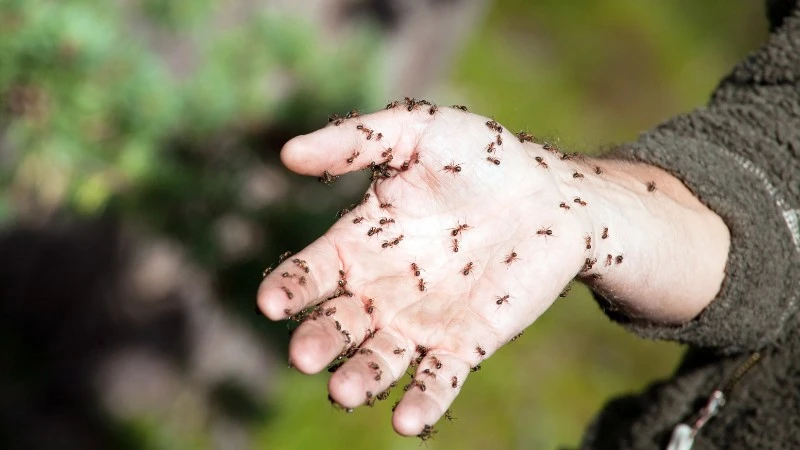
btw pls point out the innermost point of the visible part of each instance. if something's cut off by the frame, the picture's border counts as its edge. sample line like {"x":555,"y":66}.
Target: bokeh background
{"x":141,"y":196}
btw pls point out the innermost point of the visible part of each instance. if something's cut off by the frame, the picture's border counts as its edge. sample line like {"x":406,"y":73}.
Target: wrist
{"x":657,"y":252}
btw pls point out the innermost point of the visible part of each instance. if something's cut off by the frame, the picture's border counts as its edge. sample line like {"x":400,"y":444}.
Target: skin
{"x":673,"y":248}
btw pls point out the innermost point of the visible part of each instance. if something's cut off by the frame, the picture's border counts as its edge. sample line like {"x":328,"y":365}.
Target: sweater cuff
{"x":758,"y":296}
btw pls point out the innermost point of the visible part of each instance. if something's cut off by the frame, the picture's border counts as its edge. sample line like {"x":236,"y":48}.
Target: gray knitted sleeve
{"x":740,"y":156}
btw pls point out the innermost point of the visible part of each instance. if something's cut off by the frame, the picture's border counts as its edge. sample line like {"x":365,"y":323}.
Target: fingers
{"x":371,"y":372}
{"x":300,"y":280}
{"x":351,"y":144}
{"x":436,"y":384}
{"x":336,"y":328}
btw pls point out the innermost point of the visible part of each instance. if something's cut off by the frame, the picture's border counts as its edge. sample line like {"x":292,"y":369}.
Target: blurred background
{"x":141,"y":196}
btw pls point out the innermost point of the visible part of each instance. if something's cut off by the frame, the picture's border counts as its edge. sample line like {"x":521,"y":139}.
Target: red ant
{"x":436,"y":363}
{"x":415,"y":268}
{"x":459,"y":228}
{"x":618,"y":259}
{"x":454,"y":382}
{"x":353,"y":157}
{"x":541,"y":162}
{"x":579,"y":201}
{"x":605,"y":233}
{"x":288,"y":292}
{"x":452,"y":168}
{"x":392,"y":104}
{"x":564,"y":206}
{"x":499,"y":139}
{"x":651,"y":186}
{"x":490,"y":147}
{"x":385,"y":221}
{"x":468,"y":268}
{"x":358,"y":219}
{"x":544,"y":231}
{"x":609,"y":258}
{"x":370,"y":306}
{"x":480,"y":351}
{"x":385,"y":205}
{"x":577,"y":175}
{"x":503,"y":299}
{"x":511,"y":257}
{"x":493,"y":160}
{"x":421,"y":285}
{"x":461,"y":107}
{"x":588,"y":240}
{"x":455,"y":245}
{"x":432,"y":110}
{"x":524,"y":137}
{"x":399,"y":351}
{"x":374,"y":230}
{"x":588,"y":264}
{"x":598,"y":170}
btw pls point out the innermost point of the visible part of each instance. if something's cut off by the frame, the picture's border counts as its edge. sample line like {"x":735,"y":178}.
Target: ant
{"x":417,"y":383}
{"x":490,"y":147}
{"x":588,"y":240}
{"x":493,"y":160}
{"x":266,"y":272}
{"x":588,"y":264}
{"x":374,"y":230}
{"x":565,"y":291}
{"x":499,"y":140}
{"x":449,"y":416}
{"x":421,"y":285}
{"x":385,"y":221}
{"x":335,"y":118}
{"x":468,"y":268}
{"x":541,"y":162}
{"x":284,"y":256}
{"x":378,"y":136}
{"x":455,"y":245}
{"x":378,"y":375}
{"x":524,"y":137}
{"x":385,"y":205}
{"x":564,"y":206}
{"x":579,"y":201}
{"x":365,"y":351}
{"x":370,"y":306}
{"x":577,"y":175}
{"x":366,"y":198}
{"x":618,"y":259}
{"x":609,"y":258}
{"x":503,"y":299}
{"x":415,"y":268}
{"x":353,"y":114}
{"x":454,"y":382}
{"x":517,"y":336}
{"x":429,"y":372}
{"x":475,"y":369}
{"x":405,"y":166}
{"x":651,"y":186}
{"x":358,"y":219}
{"x":288,"y":292}
{"x":301,"y":264}
{"x":427,"y":432}
{"x":330,"y":311}
{"x":392,"y":104}
{"x":494,"y":126}
{"x":605,"y":233}
{"x":459,"y":228}
{"x":373,"y":365}
{"x":598,"y":170}
{"x":480,"y":351}
{"x":353,"y":157}
{"x":327,"y":178}
{"x":544,"y":231}
{"x":370,"y":400}
{"x":387,"y":153}
{"x":436,"y":363}
{"x":399,"y":351}
{"x":511,"y":257}
{"x":461,"y":107}
{"x":432,"y":110}
{"x":452,"y":168}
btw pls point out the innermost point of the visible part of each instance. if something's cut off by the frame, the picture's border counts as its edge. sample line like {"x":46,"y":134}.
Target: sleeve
{"x":740,"y":156}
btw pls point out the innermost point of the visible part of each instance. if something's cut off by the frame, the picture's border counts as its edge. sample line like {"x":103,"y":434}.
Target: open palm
{"x":466,"y":236}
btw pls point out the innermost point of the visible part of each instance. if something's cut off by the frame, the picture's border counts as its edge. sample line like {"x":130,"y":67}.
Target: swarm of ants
{"x":452,"y":237}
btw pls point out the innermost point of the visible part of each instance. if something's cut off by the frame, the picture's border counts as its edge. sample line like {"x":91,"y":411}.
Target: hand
{"x":466,"y":236}
{"x":468,"y":248}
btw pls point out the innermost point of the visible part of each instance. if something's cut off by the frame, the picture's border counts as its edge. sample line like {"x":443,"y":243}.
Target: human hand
{"x":471,"y":247}
{"x":466,"y":236}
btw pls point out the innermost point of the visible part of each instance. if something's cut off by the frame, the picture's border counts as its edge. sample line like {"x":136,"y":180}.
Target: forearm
{"x":664,"y":255}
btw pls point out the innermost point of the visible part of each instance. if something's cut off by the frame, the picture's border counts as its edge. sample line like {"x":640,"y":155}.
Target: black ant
{"x":461,"y":107}
{"x":651,"y":186}
{"x":564,"y":206}
{"x":579,"y":201}
{"x":605,"y":233}
{"x":618,"y":259}
{"x":480,"y":351}
{"x":544,"y":231}
{"x":503,"y":299}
